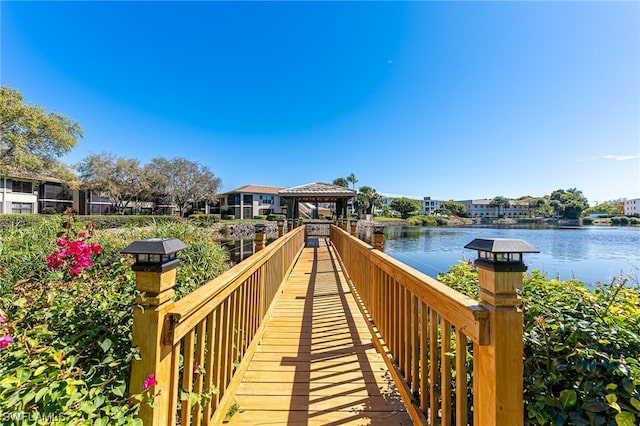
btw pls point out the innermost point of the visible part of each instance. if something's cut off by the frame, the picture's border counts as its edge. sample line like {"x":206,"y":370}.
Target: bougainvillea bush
{"x":65,"y":323}
{"x":581,"y":348}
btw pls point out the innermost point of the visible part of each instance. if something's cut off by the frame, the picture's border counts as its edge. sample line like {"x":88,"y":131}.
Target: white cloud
{"x":621,"y":157}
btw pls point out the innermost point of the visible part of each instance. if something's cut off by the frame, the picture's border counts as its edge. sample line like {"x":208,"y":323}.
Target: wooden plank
{"x":320,"y":418}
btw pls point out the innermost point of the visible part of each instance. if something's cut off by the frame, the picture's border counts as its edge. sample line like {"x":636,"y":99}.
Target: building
{"x":248,"y":201}
{"x":632,"y":207}
{"x":18,"y":194}
{"x":483,"y":208}
{"x":430,"y":206}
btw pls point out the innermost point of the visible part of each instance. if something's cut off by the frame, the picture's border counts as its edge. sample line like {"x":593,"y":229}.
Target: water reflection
{"x":241,"y":249}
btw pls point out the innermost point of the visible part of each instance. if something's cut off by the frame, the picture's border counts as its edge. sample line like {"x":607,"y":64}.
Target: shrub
{"x":581,"y":348}
{"x":260,"y":217}
{"x":8,"y":221}
{"x":228,"y":217}
{"x":71,"y":348}
{"x":201,"y":219}
{"x":49,"y":210}
{"x":587,"y":220}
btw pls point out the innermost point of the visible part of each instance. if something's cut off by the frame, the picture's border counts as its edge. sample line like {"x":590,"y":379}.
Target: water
{"x":588,"y":253}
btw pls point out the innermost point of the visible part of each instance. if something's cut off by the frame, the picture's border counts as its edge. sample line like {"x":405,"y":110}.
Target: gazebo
{"x":316,"y":193}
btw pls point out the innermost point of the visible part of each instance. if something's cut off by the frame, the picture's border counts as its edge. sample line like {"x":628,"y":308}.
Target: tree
{"x":452,"y":208}
{"x":352,"y":178}
{"x":570,"y":203}
{"x":184,"y":181}
{"x":370,"y":199}
{"x":404,"y":206}
{"x":499,"y":202}
{"x":120,"y":179}
{"x":32,"y":140}
{"x":341,"y":182}
{"x":360,"y":204}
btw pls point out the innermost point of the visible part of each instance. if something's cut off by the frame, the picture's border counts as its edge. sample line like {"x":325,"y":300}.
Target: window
{"x":21,"y":208}
{"x":247,"y":199}
{"x":54,"y":191}
{"x":265,"y":212}
{"x":21,"y":186}
{"x":266,"y":199}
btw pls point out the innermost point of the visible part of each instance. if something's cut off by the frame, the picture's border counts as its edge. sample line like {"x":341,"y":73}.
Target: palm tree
{"x":352,"y":178}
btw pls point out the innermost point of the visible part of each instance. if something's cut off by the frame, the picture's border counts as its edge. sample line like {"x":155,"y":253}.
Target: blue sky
{"x":453,"y":100}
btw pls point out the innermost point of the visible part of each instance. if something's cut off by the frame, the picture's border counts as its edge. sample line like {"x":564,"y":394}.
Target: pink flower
{"x":96,"y":248}
{"x":2,"y":319}
{"x":150,"y":381}
{"x":5,"y":340}
{"x":195,"y":366}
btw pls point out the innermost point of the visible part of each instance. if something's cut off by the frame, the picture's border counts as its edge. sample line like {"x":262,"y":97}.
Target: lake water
{"x":589,"y":253}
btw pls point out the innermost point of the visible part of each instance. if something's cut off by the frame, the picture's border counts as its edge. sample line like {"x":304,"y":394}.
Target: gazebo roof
{"x":317,"y":191}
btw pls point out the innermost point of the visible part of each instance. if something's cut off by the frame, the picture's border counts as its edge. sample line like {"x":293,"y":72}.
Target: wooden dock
{"x":316,"y":364}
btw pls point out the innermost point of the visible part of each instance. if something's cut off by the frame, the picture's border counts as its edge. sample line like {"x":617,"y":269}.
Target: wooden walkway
{"x":316,"y":364}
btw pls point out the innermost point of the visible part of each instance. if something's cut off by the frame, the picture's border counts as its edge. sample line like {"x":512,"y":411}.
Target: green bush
{"x":587,"y":220}
{"x":425,"y":220}
{"x":581,"y":348}
{"x":620,"y":221}
{"x":273,"y":217}
{"x":8,"y":221}
{"x":228,"y":217}
{"x":201,"y":219}
{"x":72,"y":336}
{"x":260,"y":217}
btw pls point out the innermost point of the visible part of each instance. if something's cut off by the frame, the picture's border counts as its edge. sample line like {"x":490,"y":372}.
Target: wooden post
{"x":354,"y":225}
{"x":280,"y":228}
{"x":155,"y":270}
{"x":378,"y":237}
{"x":260,"y":236}
{"x":498,"y":369}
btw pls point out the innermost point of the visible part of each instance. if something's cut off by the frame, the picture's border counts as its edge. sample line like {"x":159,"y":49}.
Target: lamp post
{"x":155,"y":267}
{"x":260,"y":236}
{"x":500,"y":268}
{"x":280,"y":227}
{"x":378,"y":237}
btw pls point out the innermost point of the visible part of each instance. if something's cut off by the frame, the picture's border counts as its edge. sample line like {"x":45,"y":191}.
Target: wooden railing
{"x":193,"y":350}
{"x":450,"y":355}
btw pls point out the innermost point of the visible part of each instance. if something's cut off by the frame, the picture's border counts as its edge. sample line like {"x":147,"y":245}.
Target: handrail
{"x":208,"y":337}
{"x":421,"y":324}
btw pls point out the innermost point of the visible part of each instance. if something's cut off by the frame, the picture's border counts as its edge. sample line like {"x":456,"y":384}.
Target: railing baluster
{"x":187,"y":377}
{"x":445,"y":371}
{"x":461,"y":379}
{"x":415,"y":328}
{"x":433,"y":363}
{"x":208,"y":366}
{"x":406,"y":325}
{"x":424,"y":363}
{"x":196,"y":417}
